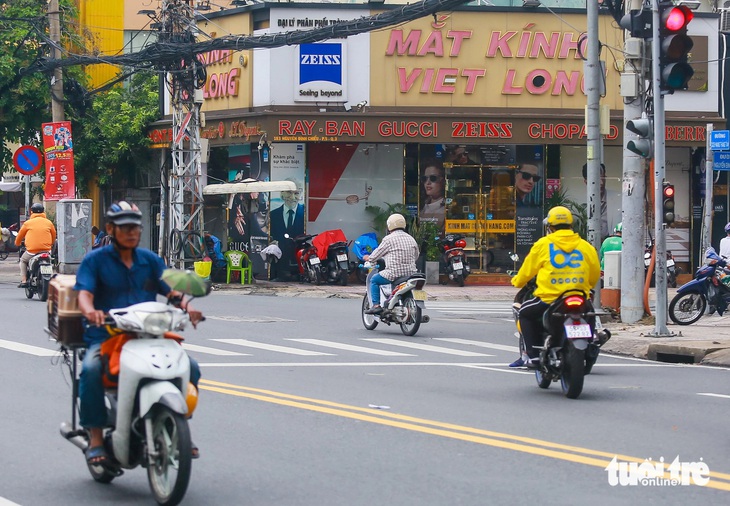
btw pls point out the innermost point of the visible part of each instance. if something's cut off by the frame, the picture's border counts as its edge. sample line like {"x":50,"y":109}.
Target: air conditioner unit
{"x":725,"y":17}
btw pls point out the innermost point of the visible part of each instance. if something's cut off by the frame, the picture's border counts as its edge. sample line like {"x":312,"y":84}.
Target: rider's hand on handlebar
{"x":95,"y":317}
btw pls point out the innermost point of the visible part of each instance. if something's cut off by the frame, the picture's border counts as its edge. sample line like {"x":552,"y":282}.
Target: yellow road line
{"x":453,"y":431}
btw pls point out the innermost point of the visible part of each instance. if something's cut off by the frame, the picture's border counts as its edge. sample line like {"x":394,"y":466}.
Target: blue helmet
{"x":727,"y":228}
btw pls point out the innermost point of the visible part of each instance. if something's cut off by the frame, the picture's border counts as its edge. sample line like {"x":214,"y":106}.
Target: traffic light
{"x":638,"y":23}
{"x":675,"y":46}
{"x":668,"y":203}
{"x":642,"y":146}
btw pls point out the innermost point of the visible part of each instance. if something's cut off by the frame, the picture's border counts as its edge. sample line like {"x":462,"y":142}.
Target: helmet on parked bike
{"x":124,"y":213}
{"x":396,"y":221}
{"x":617,"y":229}
{"x":727,"y":228}
{"x":559,"y":215}
{"x":36,"y":208}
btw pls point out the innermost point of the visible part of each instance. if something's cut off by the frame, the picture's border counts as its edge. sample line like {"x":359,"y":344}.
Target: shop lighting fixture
{"x":530,"y":3}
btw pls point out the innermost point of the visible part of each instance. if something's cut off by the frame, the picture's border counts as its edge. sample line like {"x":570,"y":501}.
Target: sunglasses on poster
{"x":433,"y":178}
{"x":529,"y":175}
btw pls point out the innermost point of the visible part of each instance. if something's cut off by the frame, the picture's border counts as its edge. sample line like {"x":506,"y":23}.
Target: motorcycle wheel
{"x":169,"y":475}
{"x":413,"y":323}
{"x":315,"y":276}
{"x":687,"y":308}
{"x":43,"y":293}
{"x":29,"y":291}
{"x":573,"y":371}
{"x":543,"y":380}
{"x":3,"y":255}
{"x":362,"y":275}
{"x":368,"y":320}
{"x":343,"y":278}
{"x":459,"y":279}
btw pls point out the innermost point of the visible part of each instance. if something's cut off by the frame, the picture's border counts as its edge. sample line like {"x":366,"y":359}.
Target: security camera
{"x":362,"y":104}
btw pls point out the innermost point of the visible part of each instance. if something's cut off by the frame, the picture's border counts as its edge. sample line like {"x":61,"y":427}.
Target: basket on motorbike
{"x":64,"y":316}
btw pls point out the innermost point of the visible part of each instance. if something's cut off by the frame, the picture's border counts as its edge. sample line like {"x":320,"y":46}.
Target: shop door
{"x":480,"y":204}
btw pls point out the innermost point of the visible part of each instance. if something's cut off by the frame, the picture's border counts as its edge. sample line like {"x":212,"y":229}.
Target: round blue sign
{"x":27,"y":160}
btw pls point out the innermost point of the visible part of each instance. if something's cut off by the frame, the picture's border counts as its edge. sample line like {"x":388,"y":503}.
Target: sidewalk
{"x":706,"y":342}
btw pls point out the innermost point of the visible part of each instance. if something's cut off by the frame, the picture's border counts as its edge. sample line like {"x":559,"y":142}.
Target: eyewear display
{"x":433,"y":178}
{"x":529,"y":175}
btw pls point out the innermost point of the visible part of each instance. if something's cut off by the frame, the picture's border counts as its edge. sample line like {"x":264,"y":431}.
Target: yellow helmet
{"x":559,"y":215}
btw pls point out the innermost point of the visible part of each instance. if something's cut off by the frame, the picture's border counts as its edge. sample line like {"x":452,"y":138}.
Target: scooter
{"x":308,"y":261}
{"x":7,"y":244}
{"x":332,"y":248}
{"x":672,"y":269}
{"x":40,"y":272}
{"x":403,"y":302}
{"x":707,"y":288}
{"x":453,"y":258}
{"x":363,"y":245}
{"x":148,"y":410}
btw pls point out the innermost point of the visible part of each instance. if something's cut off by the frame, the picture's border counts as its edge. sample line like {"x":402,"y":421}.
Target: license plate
{"x":581,"y":331}
{"x":420,"y":295}
{"x":458,"y":265}
{"x":314,"y":260}
{"x":342,"y":258}
{"x":46,"y":269}
{"x":670,"y":263}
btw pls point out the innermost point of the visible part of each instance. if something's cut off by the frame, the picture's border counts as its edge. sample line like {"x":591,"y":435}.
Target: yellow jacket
{"x":38,"y":232}
{"x":562,"y":261}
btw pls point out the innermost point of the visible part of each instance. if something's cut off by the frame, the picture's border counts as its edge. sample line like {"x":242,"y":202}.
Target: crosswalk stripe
{"x":212,"y":351}
{"x":351,"y":347}
{"x":456,"y":340}
{"x":428,"y":347}
{"x":26,"y":348}
{"x":270,"y":347}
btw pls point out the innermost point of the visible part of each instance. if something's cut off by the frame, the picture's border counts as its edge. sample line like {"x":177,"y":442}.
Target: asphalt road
{"x":300,"y":405}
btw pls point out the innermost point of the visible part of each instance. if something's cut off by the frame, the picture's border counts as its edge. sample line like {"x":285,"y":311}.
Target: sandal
{"x":96,"y":456}
{"x":195,"y":452}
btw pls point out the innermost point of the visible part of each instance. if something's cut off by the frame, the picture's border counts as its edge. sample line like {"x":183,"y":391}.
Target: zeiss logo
{"x":320,"y":62}
{"x":560,"y":259}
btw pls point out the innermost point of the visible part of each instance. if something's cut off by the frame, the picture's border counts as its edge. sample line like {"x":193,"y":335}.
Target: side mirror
{"x":187,"y":282}
{"x":286,"y":236}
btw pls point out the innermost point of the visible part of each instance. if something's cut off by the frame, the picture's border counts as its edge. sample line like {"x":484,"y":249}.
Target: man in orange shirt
{"x":39,"y":234}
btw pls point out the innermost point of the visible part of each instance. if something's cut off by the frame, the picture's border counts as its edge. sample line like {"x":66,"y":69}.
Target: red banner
{"x":59,"y":154}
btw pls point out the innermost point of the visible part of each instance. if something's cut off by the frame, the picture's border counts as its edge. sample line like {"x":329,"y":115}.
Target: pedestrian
{"x":725,"y":243}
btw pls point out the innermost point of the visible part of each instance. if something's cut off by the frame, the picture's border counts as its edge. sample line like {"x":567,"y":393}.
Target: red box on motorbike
{"x":64,"y":316}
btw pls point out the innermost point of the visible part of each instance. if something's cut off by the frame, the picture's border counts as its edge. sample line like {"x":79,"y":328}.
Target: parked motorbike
{"x":308,"y":260}
{"x":148,"y":409}
{"x":7,"y":244}
{"x":332,"y":248}
{"x":672,"y":269}
{"x":403,"y":302}
{"x":40,"y":271}
{"x":363,"y":245}
{"x":707,"y":288}
{"x":453,"y":257}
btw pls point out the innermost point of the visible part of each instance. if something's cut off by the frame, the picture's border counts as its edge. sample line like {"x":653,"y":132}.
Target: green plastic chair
{"x":238,"y":261}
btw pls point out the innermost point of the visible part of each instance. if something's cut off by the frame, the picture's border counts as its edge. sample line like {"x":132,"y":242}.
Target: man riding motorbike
{"x":39,"y":235}
{"x":561,"y":261}
{"x":400,"y":251}
{"x":111,"y":277}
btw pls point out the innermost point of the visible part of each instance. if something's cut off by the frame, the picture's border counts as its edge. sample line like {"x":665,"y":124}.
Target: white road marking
{"x":350,"y":347}
{"x":428,"y":347}
{"x":714,"y":395}
{"x":6,"y":502}
{"x":269,"y":347}
{"x":250,"y":319}
{"x":500,"y":366}
{"x":481,"y":344}
{"x":26,"y":348}
{"x":211,"y":351}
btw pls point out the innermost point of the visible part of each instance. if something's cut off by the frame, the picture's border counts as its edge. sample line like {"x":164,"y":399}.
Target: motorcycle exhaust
{"x":425,"y":318}
{"x":74,"y":436}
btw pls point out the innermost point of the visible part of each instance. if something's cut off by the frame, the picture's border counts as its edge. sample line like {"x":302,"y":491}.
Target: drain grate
{"x":674,"y":358}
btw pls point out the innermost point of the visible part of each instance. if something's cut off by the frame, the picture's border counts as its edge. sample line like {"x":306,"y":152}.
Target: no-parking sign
{"x":27,"y":160}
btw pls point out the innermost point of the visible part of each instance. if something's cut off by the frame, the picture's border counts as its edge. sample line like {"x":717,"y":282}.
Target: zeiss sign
{"x":321,"y":73}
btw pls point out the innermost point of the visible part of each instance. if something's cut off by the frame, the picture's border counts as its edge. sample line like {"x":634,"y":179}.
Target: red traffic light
{"x":669,"y":191}
{"x":677,"y":18}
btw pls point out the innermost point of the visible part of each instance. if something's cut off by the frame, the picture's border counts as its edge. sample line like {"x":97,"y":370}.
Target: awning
{"x":11,"y":187}
{"x":248,"y":186}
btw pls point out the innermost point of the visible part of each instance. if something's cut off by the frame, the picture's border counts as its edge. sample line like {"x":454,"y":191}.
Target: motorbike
{"x":403,"y":302}
{"x":332,"y":248}
{"x":308,"y":261}
{"x":672,"y":269}
{"x":148,"y":409}
{"x":707,"y":288}
{"x":7,"y":244}
{"x":40,"y":272}
{"x":363,"y":245}
{"x":453,"y":258}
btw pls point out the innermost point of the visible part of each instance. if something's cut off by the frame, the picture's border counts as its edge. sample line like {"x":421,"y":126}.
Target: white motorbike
{"x":148,"y":411}
{"x":403,"y":302}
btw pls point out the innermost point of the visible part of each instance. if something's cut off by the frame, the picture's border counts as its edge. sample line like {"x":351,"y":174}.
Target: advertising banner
{"x":59,"y":156}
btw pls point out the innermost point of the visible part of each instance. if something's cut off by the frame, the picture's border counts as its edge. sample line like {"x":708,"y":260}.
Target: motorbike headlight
{"x":155,"y":323}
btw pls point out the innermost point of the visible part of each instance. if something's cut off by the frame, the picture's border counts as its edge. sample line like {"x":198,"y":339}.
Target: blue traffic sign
{"x":721,"y":160}
{"x":27,"y":160}
{"x":720,"y":140}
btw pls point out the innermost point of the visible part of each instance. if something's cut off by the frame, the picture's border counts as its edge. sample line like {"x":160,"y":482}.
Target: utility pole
{"x":184,"y":217}
{"x":54,"y":26}
{"x":633,"y":187}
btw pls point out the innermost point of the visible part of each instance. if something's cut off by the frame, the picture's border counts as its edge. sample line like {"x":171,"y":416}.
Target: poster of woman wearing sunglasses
{"x":527,"y":190}
{"x":432,"y":183}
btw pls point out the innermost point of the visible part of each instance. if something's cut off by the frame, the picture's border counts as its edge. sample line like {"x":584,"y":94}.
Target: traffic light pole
{"x":660,"y":239}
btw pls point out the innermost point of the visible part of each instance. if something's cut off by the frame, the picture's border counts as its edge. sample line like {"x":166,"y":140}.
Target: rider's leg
{"x":375,"y":283}
{"x":24,"y":266}
{"x":91,"y":396}
{"x":530,"y":317}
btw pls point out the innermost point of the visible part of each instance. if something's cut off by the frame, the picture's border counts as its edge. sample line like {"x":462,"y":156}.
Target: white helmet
{"x":396,"y":221}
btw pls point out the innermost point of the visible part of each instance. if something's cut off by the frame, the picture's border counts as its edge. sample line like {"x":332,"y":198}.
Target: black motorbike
{"x":7,"y":244}
{"x":336,"y":268}
{"x":453,"y":258}
{"x":707,"y":288}
{"x":40,"y":272}
{"x":672,"y":269}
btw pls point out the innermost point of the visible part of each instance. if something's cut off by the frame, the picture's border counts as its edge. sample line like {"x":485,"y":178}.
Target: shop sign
{"x":322,"y":73}
{"x":489,"y":226}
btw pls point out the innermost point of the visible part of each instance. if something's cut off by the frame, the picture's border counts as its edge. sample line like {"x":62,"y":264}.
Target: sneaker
{"x":377,"y":309}
{"x":518,"y":363}
{"x":23,"y":285}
